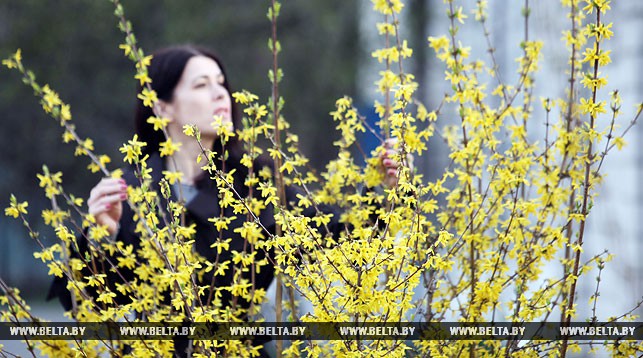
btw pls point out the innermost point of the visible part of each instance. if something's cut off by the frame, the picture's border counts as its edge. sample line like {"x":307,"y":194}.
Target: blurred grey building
{"x":615,"y":222}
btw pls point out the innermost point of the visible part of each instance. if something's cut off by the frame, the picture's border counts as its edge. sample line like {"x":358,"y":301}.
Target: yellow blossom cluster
{"x":471,"y":245}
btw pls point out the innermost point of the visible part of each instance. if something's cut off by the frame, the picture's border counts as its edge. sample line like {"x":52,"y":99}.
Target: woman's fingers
{"x":388,"y":157}
{"x":106,"y":187}
{"x":390,"y":164}
{"x":105,"y":203}
{"x":105,"y":194}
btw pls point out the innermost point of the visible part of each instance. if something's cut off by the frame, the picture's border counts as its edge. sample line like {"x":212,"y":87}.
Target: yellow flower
{"x":98,"y":232}
{"x":189,"y":130}
{"x":602,"y":31}
{"x":186,"y":232}
{"x":47,"y":254}
{"x":173,"y":177}
{"x":250,"y":231}
{"x":65,"y":113}
{"x":595,"y":54}
{"x":50,"y":99}
{"x":144,"y":62}
{"x":256,"y":110}
{"x":106,"y":297}
{"x":444,"y":238}
{"x":128,"y":260}
{"x":600,"y":5}
{"x":62,"y":232}
{"x":15,"y":208}
{"x":592,"y":83}
{"x":84,"y":147}
{"x":133,"y":149}
{"x":148,"y":97}
{"x":438,"y":44}
{"x":158,"y":123}
{"x":244,"y":97}
{"x":222,"y":267}
{"x":68,"y":136}
{"x":54,"y":218}
{"x":221,"y":245}
{"x":385,"y":28}
{"x":388,"y":7}
{"x":619,"y":142}
{"x":459,"y":15}
{"x":55,"y":269}
{"x":143,"y":78}
{"x":287,"y":166}
{"x":126,"y":48}
{"x":588,"y":106}
{"x":118,"y":173}
{"x":14,"y":61}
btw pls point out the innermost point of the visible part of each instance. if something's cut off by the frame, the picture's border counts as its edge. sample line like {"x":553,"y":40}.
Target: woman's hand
{"x":105,"y":202}
{"x":389,"y":165}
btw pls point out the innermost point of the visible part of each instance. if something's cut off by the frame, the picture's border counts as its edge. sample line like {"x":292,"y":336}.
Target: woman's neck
{"x":184,"y":160}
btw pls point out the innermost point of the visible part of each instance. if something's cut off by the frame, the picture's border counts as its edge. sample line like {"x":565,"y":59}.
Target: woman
{"x":192,"y":88}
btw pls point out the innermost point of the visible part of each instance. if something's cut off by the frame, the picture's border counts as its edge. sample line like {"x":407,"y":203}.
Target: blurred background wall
{"x":73,"y":46}
{"x":615,"y":222}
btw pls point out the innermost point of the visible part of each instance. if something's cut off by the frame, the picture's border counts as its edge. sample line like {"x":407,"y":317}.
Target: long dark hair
{"x":165,"y":71}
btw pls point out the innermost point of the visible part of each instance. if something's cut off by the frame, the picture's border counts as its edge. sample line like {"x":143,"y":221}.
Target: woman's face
{"x":200,"y":96}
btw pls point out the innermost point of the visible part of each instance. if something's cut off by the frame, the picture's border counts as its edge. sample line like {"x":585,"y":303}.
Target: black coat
{"x":203,"y":206}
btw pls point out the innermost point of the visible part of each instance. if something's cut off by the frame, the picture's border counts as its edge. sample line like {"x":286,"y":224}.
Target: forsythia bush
{"x":471,"y":246}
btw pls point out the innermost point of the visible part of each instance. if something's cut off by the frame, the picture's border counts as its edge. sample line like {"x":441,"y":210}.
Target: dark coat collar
{"x":206,"y":202}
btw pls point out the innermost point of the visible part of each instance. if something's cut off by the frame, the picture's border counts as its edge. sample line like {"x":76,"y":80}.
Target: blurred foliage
{"x":73,"y":46}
